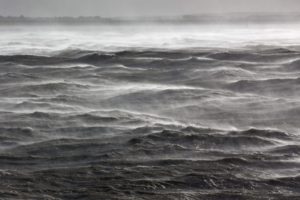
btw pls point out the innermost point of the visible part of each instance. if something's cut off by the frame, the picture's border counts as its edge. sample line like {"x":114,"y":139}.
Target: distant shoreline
{"x":186,"y":19}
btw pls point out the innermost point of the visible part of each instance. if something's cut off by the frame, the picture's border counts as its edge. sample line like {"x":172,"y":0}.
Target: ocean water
{"x":150,"y":112}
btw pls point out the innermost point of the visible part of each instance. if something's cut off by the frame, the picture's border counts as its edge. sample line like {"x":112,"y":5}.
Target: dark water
{"x":205,"y":123}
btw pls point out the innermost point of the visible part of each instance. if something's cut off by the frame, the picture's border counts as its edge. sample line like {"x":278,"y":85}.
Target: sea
{"x":150,"y":111}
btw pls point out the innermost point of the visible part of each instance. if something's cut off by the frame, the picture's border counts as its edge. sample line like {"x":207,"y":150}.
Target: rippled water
{"x":156,"y":112}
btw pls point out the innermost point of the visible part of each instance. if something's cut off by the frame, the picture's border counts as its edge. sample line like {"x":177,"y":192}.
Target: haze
{"x":119,"y":8}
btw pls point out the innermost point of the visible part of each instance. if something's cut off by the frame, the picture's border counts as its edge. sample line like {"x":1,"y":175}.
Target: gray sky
{"x":113,"y":8}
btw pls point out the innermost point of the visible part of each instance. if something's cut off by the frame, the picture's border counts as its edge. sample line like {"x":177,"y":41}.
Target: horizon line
{"x":156,"y":16}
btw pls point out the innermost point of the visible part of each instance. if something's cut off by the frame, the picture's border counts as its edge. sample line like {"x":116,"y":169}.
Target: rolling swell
{"x":151,"y":124}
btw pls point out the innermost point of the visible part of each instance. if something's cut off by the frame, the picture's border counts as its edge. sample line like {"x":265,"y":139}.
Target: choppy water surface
{"x":179,"y":112}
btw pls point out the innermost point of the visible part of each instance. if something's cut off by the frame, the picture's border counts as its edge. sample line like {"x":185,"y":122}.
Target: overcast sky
{"x":114,"y":8}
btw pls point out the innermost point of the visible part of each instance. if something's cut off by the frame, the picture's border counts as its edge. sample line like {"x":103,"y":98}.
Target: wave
{"x":259,"y":57}
{"x":287,"y":86}
{"x":294,"y":65}
{"x":206,"y":141}
{"x":31,"y":59}
{"x":288,"y":149}
{"x":42,"y":89}
{"x":264,"y":134}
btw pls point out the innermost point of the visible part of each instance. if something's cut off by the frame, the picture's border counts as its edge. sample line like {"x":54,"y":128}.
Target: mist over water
{"x":154,"y":111}
{"x":46,"y":40}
